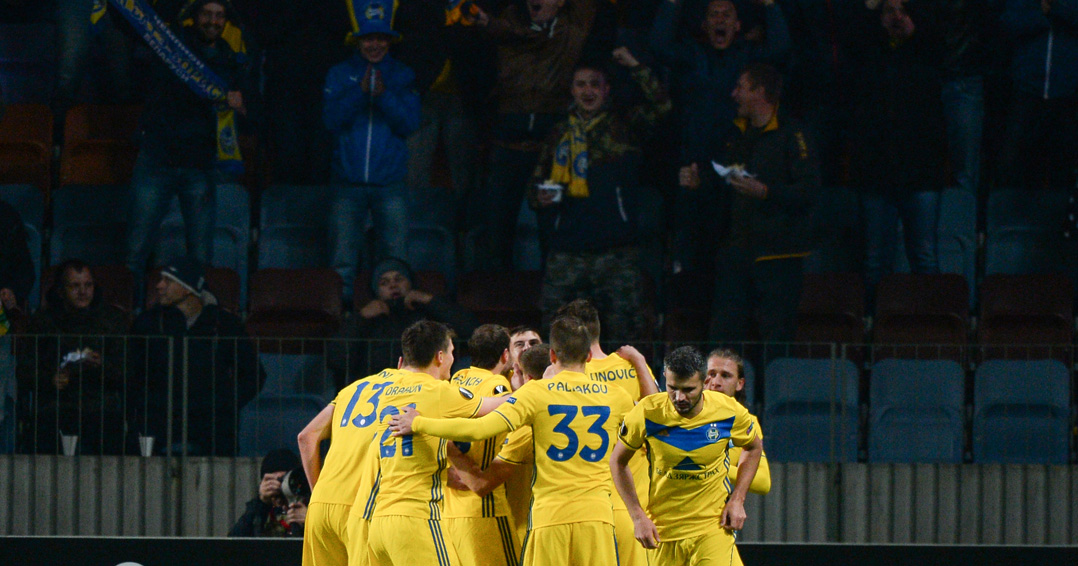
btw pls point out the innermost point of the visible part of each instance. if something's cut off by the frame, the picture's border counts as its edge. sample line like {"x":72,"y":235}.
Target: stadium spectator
{"x":758,"y":272}
{"x":75,"y":373}
{"x":178,"y":141}
{"x":899,"y":142}
{"x":199,"y":354}
{"x":705,"y":73}
{"x":726,"y":375}
{"x":538,"y":46}
{"x":270,"y":514}
{"x":80,"y":24}
{"x":396,"y":306}
{"x":964,"y":62}
{"x":371,"y":107}
{"x":594,"y":157}
{"x":16,"y":265}
{"x":1043,"y":118}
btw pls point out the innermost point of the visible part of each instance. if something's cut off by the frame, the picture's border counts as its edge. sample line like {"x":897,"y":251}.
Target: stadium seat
{"x":921,"y":316}
{"x":432,"y":247}
{"x":527,"y":254}
{"x":231,"y":235}
{"x":687,"y":310}
{"x":270,"y":422}
{"x":836,"y":224}
{"x":1026,"y":317}
{"x":956,"y":246}
{"x":832,"y":309}
{"x":89,"y":223}
{"x":27,"y":62}
{"x":915,"y":411}
{"x":1021,"y":412}
{"x":432,"y":282}
{"x":294,"y":303}
{"x":29,"y":202}
{"x":294,"y":227}
{"x":296,"y":374}
{"x":26,"y":145}
{"x":99,"y":144}
{"x":502,"y":297}
{"x":223,"y":282}
{"x":114,"y":281}
{"x":811,"y":410}
{"x":1024,"y":231}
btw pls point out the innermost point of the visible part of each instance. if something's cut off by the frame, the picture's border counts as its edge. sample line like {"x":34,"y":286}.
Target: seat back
{"x":296,"y":303}
{"x":929,"y":312}
{"x":26,"y":145}
{"x":99,"y":144}
{"x":1024,"y":231}
{"x":500,"y":297}
{"x":811,"y":410}
{"x":28,"y":62}
{"x":271,"y":422}
{"x":916,"y":411}
{"x":294,"y":227}
{"x":1026,"y":317}
{"x":832,"y":310}
{"x":432,"y":247}
{"x":89,"y":223}
{"x":956,"y":243}
{"x":1021,"y":412}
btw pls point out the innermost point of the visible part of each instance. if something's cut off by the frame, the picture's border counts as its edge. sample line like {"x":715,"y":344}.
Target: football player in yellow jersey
{"x":520,"y":339}
{"x":726,"y":374}
{"x":626,"y":369}
{"x":479,"y":525}
{"x":348,"y":420}
{"x":573,"y":421}
{"x":687,"y":431}
{"x":513,"y":466}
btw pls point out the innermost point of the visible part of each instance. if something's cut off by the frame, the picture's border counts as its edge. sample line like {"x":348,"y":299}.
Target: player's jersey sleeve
{"x":520,"y":408}
{"x":518,"y":447}
{"x":462,"y":429}
{"x":744,"y":429}
{"x":455,"y":401}
{"x":632,"y":428}
{"x":761,"y":482}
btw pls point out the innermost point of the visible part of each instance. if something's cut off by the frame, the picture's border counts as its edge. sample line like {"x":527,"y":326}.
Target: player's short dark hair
{"x":521,"y":329}
{"x":487,"y":344}
{"x":728,"y":354}
{"x":586,"y":312}
{"x":422,"y":341}
{"x":570,"y":340}
{"x":535,"y":360}
{"x":766,"y":76}
{"x":685,"y":363}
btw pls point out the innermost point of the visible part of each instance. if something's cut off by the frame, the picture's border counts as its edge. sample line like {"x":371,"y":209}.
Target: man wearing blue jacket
{"x":371,"y":107}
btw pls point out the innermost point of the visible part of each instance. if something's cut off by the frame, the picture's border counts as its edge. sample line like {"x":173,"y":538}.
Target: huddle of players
{"x":531,"y":475}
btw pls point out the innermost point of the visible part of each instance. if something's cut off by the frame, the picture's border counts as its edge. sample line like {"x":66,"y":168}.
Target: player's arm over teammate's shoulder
{"x":463,"y":429}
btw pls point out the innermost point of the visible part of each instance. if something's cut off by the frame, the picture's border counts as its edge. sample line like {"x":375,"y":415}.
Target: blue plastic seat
{"x":432,"y":247}
{"x":295,"y":374}
{"x":811,"y":410}
{"x":1021,"y":412}
{"x":89,"y":223}
{"x":271,"y":422}
{"x":1024,"y":231}
{"x":294,"y":227}
{"x":915,"y":411}
{"x":231,"y":235}
{"x":27,"y":62}
{"x":30,"y":204}
{"x":956,"y":247}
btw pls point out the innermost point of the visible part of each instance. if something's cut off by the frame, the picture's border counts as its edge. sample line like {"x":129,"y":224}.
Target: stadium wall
{"x":813,"y":503}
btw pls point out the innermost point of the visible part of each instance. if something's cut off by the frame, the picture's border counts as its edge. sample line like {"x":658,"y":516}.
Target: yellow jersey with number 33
{"x":689,"y":459}
{"x":574,"y":424}
{"x":412,"y":479}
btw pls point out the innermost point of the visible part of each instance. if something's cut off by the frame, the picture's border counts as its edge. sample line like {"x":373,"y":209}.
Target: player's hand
{"x":454,"y":481}
{"x":630,"y":354}
{"x":733,"y":515}
{"x":270,"y":488}
{"x":624,"y":57}
{"x":415,"y":298}
{"x":689,"y":177}
{"x":749,"y":187}
{"x":374,"y":309}
{"x":644,"y":530}
{"x":401,"y":424}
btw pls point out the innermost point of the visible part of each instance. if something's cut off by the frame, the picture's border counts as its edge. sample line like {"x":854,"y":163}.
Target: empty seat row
{"x":916,"y":411}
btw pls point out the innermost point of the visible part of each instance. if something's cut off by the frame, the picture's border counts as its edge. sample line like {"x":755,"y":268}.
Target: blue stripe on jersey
{"x":439,"y":543}
{"x":369,"y":509}
{"x":436,"y":482}
{"x":690,"y":439}
{"x":507,"y":540}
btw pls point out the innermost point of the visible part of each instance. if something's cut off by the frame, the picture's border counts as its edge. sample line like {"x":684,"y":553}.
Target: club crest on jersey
{"x":713,"y":432}
{"x":465,"y":393}
{"x":500,"y":390}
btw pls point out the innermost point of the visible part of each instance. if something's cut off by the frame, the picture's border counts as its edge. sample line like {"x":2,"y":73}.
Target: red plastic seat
{"x":99,"y":144}
{"x":832,"y":310}
{"x":1026,"y":317}
{"x":294,"y":303}
{"x":499,"y":297}
{"x":921,"y":316}
{"x":25,"y":145}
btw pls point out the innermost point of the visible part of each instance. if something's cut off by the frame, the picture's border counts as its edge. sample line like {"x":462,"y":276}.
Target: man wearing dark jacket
{"x":269,"y":514}
{"x":16,"y":265}
{"x":214,"y":369}
{"x":371,"y":107}
{"x":595,"y":158}
{"x":775,"y":180}
{"x":178,"y":141}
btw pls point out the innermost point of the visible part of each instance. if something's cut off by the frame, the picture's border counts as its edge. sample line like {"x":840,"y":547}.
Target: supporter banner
{"x":191,"y":70}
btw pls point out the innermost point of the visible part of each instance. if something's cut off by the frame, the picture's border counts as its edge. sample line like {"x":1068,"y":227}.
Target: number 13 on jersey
{"x":564,"y":427}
